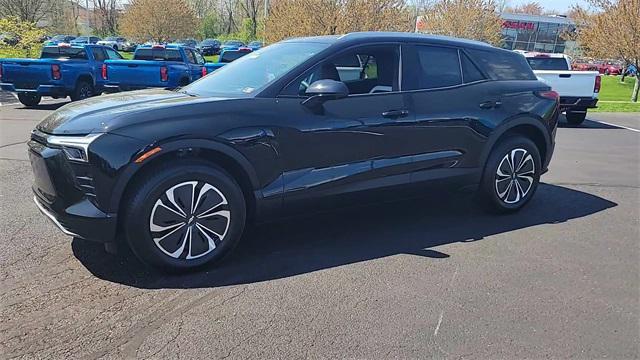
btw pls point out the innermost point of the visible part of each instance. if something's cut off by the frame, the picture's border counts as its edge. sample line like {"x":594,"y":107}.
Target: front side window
{"x":190,"y":57}
{"x":251,"y":73}
{"x":365,"y":70}
{"x":98,"y":54}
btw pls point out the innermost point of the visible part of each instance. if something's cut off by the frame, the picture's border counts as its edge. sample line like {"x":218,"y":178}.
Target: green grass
{"x":615,"y":96}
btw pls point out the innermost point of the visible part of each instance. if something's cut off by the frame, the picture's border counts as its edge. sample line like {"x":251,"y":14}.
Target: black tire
{"x":169,"y":250}
{"x":576,"y":118}
{"x":183,"y":82}
{"x":28,"y":99}
{"x":83,"y":90}
{"x":493,"y":184}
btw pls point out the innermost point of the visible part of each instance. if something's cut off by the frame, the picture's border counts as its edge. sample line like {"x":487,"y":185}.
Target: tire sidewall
{"x":489,"y":176}
{"x":29,"y":99}
{"x":139,"y":212}
{"x":77,"y":93}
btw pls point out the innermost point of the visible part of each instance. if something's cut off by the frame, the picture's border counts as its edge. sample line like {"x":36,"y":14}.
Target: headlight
{"x":76,"y":148}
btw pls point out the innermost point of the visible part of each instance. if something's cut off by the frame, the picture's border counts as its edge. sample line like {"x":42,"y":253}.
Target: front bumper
{"x":43,"y":90}
{"x":64,"y":193}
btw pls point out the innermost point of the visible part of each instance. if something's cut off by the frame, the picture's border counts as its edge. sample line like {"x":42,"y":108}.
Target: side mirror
{"x":323,"y":90}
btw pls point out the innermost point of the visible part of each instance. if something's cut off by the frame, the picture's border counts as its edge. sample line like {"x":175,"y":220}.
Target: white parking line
{"x":616,"y":125}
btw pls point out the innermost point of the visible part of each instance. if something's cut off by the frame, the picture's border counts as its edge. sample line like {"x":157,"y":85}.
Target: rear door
{"x":451,"y":100}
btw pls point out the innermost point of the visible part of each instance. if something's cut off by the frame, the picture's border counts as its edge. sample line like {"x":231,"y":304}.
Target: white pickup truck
{"x":578,"y":90}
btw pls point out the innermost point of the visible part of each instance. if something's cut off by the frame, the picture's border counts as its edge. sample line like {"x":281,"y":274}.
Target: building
{"x":531,"y":32}
{"x":537,"y":32}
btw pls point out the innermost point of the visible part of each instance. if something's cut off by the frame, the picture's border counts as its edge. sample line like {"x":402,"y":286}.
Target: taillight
{"x":164,"y":74}
{"x":55,"y":72}
{"x":596,"y":86}
{"x":104,"y":71}
{"x":204,"y":71}
{"x":549,"y":94}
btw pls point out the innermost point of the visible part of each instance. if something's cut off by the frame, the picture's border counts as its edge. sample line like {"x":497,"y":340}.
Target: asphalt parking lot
{"x":431,"y":277}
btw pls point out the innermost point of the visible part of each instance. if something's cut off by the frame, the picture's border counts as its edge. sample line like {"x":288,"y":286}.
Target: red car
{"x":609,"y":68}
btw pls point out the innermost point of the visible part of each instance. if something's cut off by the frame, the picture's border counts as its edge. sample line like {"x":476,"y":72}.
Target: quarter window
{"x":470,"y":71}
{"x":439,"y":67}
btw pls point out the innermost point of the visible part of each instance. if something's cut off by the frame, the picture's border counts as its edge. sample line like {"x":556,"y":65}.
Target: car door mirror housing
{"x":324,"y":90}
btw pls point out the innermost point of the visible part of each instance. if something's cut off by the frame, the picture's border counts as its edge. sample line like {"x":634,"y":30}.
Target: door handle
{"x":395,"y":113}
{"x":490,"y":104}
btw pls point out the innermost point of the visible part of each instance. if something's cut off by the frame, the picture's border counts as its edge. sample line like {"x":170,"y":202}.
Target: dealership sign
{"x":518,"y":25}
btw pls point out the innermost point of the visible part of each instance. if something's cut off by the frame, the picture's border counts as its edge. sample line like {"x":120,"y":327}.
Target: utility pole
{"x":266,"y":13}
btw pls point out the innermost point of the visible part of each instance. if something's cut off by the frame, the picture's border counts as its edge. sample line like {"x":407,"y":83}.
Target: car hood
{"x":110,"y":112}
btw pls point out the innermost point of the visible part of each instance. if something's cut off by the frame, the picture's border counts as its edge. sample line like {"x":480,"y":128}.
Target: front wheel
{"x":28,"y":99}
{"x":183,"y":216}
{"x":576,"y":118}
{"x":511,"y":174}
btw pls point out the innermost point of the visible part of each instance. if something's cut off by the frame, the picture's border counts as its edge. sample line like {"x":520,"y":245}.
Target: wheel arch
{"x":85,"y":77}
{"x":528,"y":127}
{"x":221,"y":155}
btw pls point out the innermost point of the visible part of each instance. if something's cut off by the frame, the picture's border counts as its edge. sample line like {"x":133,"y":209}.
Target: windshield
{"x":233,"y":43}
{"x":540,"y":63}
{"x":59,"y":37}
{"x":111,"y":39}
{"x":255,"y":70}
{"x":209,"y":42}
{"x":255,"y":43}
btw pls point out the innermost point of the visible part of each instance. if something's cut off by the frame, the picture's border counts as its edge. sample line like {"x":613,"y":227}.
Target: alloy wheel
{"x":190,"y":220}
{"x":515,"y":176}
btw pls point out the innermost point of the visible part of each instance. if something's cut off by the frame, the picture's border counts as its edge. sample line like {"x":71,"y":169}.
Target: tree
{"x":106,"y":16}
{"x":27,"y":35}
{"x":531,"y":8}
{"x":143,"y":20}
{"x":251,"y":9}
{"x":471,"y":19}
{"x":611,"y":31}
{"x":290,"y":18}
{"x":210,"y":26}
{"x":25,"y":10}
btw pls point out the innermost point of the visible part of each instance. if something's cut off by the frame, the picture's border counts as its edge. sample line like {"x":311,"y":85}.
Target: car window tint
{"x":439,"y":67}
{"x":541,"y":63}
{"x":231,"y":55}
{"x":98,"y":54}
{"x":366,"y":70}
{"x":503,"y":64}
{"x":158,"y":54}
{"x":470,"y":71}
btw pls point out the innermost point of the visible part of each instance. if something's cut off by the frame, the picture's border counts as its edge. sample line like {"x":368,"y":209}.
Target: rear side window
{"x":470,"y":71}
{"x":158,"y":54}
{"x":437,"y":67}
{"x":503,"y":64}
{"x":55,"y":52}
{"x":547,"y":63}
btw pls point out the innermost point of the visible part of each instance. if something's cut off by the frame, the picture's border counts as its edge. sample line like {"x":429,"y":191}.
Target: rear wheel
{"x":511,"y":174}
{"x":184,"y":216}
{"x":28,"y":99}
{"x":576,"y":118}
{"x":83,"y":90}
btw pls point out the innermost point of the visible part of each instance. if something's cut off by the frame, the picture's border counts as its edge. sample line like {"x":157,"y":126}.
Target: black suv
{"x":317,"y":119}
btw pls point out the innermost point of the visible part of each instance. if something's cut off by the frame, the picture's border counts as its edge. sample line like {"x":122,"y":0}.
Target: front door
{"x":346,"y":145}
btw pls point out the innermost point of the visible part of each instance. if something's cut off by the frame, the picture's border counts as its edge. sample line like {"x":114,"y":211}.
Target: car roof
{"x":392,"y":36}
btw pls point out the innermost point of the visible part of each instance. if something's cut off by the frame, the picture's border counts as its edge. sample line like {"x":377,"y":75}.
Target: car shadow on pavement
{"x":47,"y":106}
{"x":587,"y":124}
{"x":297,"y":246}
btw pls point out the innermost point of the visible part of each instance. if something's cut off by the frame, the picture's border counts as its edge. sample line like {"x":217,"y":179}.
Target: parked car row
{"x":83,"y":70}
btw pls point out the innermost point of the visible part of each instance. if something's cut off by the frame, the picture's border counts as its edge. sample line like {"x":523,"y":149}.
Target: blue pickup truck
{"x":226,"y":56}
{"x":166,"y":66}
{"x":62,"y":70}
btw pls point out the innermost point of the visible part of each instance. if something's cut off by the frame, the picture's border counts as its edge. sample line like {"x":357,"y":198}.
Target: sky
{"x":560,"y":6}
